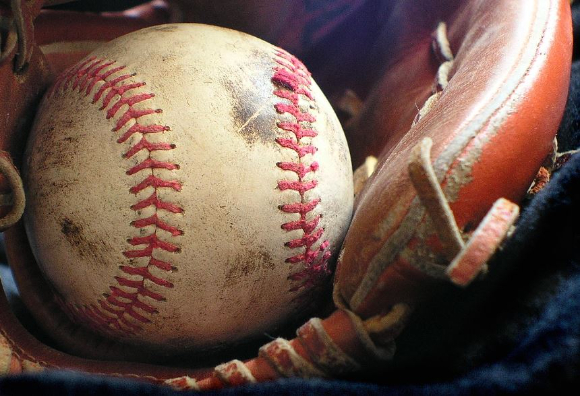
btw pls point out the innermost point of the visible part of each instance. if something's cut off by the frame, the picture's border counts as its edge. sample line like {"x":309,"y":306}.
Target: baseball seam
{"x":129,"y":304}
{"x":293,"y":81}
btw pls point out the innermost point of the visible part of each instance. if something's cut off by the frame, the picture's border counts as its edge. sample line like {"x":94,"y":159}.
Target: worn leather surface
{"x":20,"y":91}
{"x":67,"y":36}
{"x":506,"y":91}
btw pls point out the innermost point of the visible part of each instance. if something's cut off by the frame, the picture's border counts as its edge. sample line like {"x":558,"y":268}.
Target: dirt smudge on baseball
{"x":54,"y":146}
{"x":246,"y":264}
{"x":251,"y":100}
{"x":74,"y":234}
{"x":251,"y":115}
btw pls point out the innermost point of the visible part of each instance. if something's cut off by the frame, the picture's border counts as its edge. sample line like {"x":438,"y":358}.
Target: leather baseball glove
{"x":450,"y":108}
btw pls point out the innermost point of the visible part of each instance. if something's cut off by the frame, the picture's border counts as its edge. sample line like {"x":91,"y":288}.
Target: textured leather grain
{"x":491,"y":127}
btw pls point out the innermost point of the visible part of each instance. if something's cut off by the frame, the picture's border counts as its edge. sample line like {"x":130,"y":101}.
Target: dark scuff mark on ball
{"x":246,"y":264}
{"x":252,"y":104}
{"x":52,"y":147}
{"x":71,"y":231}
{"x":251,"y":116}
{"x":74,"y":234}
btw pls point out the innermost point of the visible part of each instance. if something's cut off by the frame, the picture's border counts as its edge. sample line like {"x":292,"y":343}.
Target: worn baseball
{"x":188,"y":187}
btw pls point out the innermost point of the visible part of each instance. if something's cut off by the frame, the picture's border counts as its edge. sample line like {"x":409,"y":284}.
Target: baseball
{"x":188,"y":187}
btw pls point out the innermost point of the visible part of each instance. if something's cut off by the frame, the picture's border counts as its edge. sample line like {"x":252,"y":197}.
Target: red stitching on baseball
{"x":144,"y":144}
{"x":150,"y":163}
{"x":153,"y":181}
{"x":159,"y":204}
{"x":130,"y":297}
{"x":294,"y":81}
